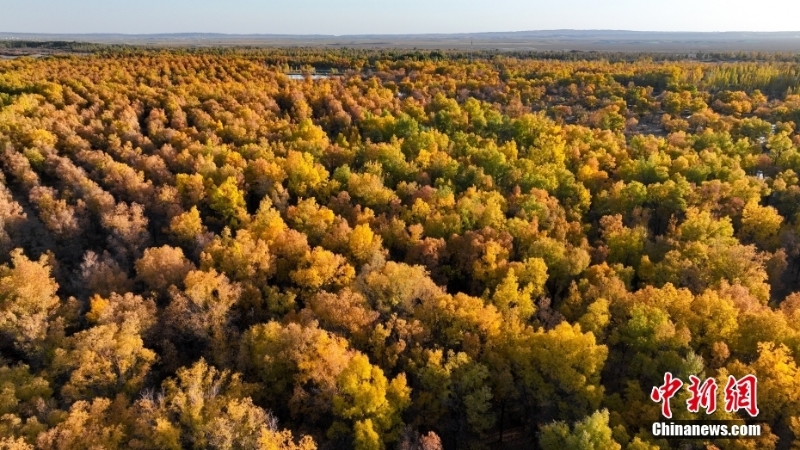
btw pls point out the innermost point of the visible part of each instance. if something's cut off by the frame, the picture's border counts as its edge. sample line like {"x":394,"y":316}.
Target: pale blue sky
{"x":392,"y":16}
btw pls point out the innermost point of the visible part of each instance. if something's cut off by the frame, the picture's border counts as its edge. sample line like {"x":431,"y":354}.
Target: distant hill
{"x":541,"y":40}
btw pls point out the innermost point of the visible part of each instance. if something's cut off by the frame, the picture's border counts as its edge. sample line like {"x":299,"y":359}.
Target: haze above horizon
{"x":360,"y":17}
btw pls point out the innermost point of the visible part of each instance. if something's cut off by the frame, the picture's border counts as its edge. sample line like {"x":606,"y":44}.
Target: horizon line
{"x":464,"y":33}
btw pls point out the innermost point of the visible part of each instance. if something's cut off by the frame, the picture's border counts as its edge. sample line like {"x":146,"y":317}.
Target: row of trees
{"x":199,"y":252}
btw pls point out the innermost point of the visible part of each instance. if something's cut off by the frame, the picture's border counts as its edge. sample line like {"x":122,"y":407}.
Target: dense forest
{"x":422,"y":250}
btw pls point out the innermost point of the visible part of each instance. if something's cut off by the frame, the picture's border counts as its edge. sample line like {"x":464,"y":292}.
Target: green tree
{"x":592,"y":433}
{"x":227,"y":200}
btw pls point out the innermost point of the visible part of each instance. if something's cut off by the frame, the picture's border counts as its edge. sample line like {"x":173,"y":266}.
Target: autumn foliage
{"x":421,"y":251}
